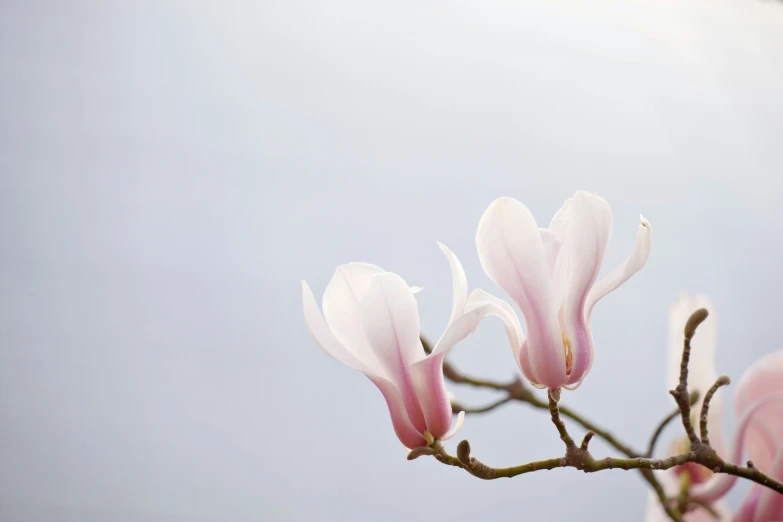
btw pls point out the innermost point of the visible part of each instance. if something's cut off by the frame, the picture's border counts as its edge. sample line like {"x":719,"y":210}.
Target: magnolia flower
{"x":551,"y":274}
{"x":701,"y":376}
{"x":758,"y":404}
{"x":372,"y":324}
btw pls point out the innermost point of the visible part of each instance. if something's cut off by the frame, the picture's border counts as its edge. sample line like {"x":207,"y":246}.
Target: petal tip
{"x":645,"y":223}
{"x":457,"y":426}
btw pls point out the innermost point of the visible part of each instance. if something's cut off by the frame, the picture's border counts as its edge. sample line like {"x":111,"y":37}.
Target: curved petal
{"x":551,"y":242}
{"x":747,"y":509}
{"x":341,"y":305}
{"x":406,"y":432}
{"x":526,"y":368}
{"x":702,"y":373}
{"x":479,"y":305}
{"x":323,"y":336}
{"x":770,"y":504}
{"x":512,"y":254}
{"x":459,"y":283}
{"x":718,"y":485}
{"x":587,"y":225}
{"x":431,"y":392}
{"x":390,"y":318}
{"x":764,"y":377}
{"x":457,"y":426}
{"x":621,"y":274}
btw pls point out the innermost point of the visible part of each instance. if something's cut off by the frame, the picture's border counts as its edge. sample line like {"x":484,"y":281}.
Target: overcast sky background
{"x":170,"y":171}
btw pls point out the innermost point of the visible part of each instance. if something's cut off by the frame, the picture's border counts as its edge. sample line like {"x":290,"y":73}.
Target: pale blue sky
{"x":170,"y":171}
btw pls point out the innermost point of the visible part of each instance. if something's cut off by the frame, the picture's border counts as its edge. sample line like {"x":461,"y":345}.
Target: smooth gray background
{"x":171,"y":170}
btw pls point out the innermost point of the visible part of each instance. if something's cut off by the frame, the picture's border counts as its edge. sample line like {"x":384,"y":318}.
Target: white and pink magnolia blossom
{"x":370,"y":322}
{"x":758,"y":405}
{"x":551,"y":274}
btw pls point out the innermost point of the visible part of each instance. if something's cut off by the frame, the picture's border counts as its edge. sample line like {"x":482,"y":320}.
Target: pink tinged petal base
{"x":390,"y":318}
{"x":587,"y":225}
{"x":609,"y":283}
{"x":512,"y":254}
{"x":432,"y":395}
{"x":406,"y":432}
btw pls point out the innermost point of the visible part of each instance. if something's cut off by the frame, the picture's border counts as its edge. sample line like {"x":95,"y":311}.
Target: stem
{"x":673,"y":415}
{"x":723,"y":380}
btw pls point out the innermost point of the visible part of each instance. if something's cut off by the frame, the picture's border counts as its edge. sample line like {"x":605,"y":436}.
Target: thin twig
{"x":673,"y":415}
{"x":723,"y":380}
{"x":521,"y":393}
{"x":680,"y":393}
{"x":557,"y":421}
{"x":456,"y":406}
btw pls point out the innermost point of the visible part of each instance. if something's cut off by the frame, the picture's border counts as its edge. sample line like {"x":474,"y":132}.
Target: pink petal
{"x":586,"y":226}
{"x":432,"y":395}
{"x":341,"y":305}
{"x":762,"y":378}
{"x":323,"y":336}
{"x":459,"y":282}
{"x":719,"y":485}
{"x":770,"y":504}
{"x":512,"y":254}
{"x":747,"y":509}
{"x":390,"y":318}
{"x":408,"y":435}
{"x":621,"y":274}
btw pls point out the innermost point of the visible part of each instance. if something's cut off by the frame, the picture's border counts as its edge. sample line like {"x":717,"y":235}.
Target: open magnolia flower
{"x":701,"y":377}
{"x":758,"y":404}
{"x":372,"y":324}
{"x":551,"y":274}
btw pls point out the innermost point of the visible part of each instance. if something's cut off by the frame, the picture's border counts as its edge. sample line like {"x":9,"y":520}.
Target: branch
{"x":673,"y":415}
{"x":516,"y":390}
{"x":456,"y":406}
{"x":723,"y":380}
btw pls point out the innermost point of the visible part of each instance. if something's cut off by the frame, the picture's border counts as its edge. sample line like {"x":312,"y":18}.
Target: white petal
{"x":457,"y":426}
{"x":459,"y":283}
{"x":390,"y":317}
{"x":621,"y":274}
{"x":587,"y":225}
{"x":323,"y":336}
{"x":479,"y":305}
{"x":416,"y":289}
{"x":551,"y":242}
{"x":341,"y":305}
{"x":512,"y":254}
